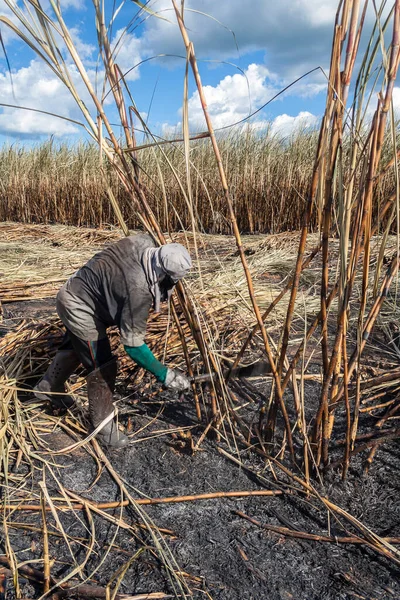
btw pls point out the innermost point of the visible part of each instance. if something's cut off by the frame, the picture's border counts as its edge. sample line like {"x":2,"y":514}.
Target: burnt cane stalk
{"x":193,"y":62}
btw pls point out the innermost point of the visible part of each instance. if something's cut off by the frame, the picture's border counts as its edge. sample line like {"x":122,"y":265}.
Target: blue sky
{"x":247,"y":52}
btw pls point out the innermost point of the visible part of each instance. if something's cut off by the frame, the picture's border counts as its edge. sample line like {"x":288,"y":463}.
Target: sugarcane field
{"x":199,"y":300}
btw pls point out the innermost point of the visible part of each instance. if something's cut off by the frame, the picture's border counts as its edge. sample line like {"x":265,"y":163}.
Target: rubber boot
{"x":100,"y":388}
{"x":64,"y":364}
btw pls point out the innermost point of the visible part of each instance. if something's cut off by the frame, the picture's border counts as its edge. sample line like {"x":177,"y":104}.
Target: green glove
{"x":143,"y":356}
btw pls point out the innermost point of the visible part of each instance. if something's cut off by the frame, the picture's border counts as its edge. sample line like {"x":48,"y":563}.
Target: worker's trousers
{"x":92,"y":354}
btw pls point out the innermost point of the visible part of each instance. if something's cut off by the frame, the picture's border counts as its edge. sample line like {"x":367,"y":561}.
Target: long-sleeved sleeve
{"x":133,"y":322}
{"x":144,"y":357}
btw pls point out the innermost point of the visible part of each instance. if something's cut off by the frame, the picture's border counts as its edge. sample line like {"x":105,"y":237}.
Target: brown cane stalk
{"x":334,"y":145}
{"x":307,"y":214}
{"x":332,"y":295}
{"x":346,"y":456}
{"x":76,"y":505}
{"x":79,"y":590}
{"x":370,"y":321}
{"x":192,"y":59}
{"x":378,"y":129}
{"x":381,"y":119}
{"x":331,"y":366}
{"x":333,"y":100}
{"x":351,"y":274}
{"x":46,"y":559}
{"x":270,"y":308}
{"x":303,"y":535}
{"x":366,"y":221}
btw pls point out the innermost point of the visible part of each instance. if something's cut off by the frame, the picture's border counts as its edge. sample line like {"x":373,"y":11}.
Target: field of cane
{"x":236,"y":527}
{"x":267,"y":174}
{"x":281,"y":485}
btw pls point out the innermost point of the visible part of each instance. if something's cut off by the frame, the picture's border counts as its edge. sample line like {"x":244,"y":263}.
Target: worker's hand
{"x":175,"y":380}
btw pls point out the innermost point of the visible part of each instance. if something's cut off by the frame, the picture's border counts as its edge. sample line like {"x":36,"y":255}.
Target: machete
{"x":257,"y":369}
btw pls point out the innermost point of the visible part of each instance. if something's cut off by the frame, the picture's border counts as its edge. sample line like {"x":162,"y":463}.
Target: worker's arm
{"x":133,"y":330}
{"x":171,"y":378}
{"x":143,"y":356}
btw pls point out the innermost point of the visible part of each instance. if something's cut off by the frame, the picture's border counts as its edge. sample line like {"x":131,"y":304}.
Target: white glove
{"x":175,"y":380}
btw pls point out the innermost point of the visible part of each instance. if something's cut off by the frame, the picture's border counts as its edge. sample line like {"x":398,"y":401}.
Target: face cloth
{"x":163,"y":268}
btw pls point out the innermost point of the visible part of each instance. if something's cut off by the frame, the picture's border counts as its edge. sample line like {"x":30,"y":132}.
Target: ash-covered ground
{"x":223,"y":556}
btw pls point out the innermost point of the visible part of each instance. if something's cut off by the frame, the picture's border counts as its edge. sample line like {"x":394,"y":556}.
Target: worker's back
{"x":111,"y":289}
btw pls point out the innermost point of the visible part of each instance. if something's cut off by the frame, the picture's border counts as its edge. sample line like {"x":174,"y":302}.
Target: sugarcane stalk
{"x":192,"y":59}
{"x":270,"y":308}
{"x":303,"y":535}
{"x":46,"y":557}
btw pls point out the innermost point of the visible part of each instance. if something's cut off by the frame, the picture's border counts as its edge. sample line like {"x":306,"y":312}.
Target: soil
{"x":224,"y":556}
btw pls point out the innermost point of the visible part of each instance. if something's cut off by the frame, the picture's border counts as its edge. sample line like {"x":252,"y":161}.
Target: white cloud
{"x":77,"y":4}
{"x":234,"y":98}
{"x":30,"y":124}
{"x":35,"y":86}
{"x":305,"y":89}
{"x":85,"y":50}
{"x":9,"y":35}
{"x":370,"y":109}
{"x":396,"y":101}
{"x":284,"y":125}
{"x":127,"y":50}
{"x":169,"y":131}
{"x":66,"y":5}
{"x":295,"y":34}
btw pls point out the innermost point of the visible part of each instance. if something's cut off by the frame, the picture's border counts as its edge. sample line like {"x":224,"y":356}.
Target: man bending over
{"x":118,"y":286}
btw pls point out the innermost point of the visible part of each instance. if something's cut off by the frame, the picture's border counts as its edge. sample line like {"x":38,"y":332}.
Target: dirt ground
{"x":223,"y":555}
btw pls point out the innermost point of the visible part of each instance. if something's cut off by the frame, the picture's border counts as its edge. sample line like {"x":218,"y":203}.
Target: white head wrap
{"x":171,"y":259}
